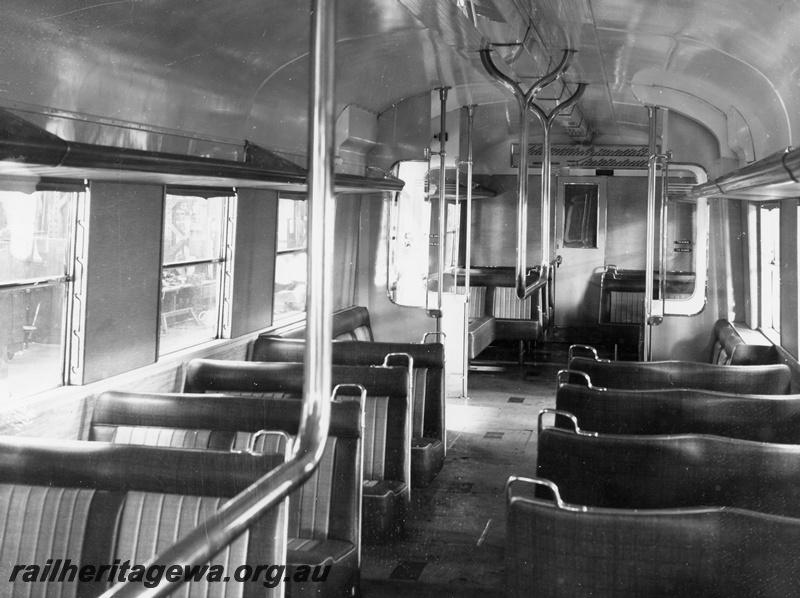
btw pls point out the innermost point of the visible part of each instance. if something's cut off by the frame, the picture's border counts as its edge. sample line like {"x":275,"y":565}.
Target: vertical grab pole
{"x":547,"y":121}
{"x":468,"y":245}
{"x":237,"y":514}
{"x":319,"y":291}
{"x":650,"y":235}
{"x":662,"y":234}
{"x":525,"y":101}
{"x":442,"y":208}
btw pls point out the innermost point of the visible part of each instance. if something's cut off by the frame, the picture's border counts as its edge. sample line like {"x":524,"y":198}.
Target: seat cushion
{"x":303,"y":551}
{"x":481,"y":334}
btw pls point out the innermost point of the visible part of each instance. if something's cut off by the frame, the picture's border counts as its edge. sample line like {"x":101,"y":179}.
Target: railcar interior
{"x":327,"y":261}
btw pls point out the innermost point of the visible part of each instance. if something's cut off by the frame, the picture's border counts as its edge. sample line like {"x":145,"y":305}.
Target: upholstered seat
{"x":635,"y":375}
{"x":555,"y":550}
{"x":97,"y":503}
{"x":323,"y":521}
{"x":655,"y":472}
{"x":387,"y":433}
{"x":765,"y":418}
{"x":428,"y":391}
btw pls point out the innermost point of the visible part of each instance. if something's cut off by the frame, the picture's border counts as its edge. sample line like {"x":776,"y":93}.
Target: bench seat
{"x":653,"y":375}
{"x":97,"y":503}
{"x":387,"y":441}
{"x":673,"y":471}
{"x":351,"y":323}
{"x":481,"y":333}
{"x":324,"y":518}
{"x":495,"y":311}
{"x":557,"y":550}
{"x":764,"y":418}
{"x":735,"y":344}
{"x":428,"y":389}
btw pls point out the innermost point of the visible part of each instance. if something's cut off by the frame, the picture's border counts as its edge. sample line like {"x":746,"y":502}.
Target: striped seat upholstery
{"x":172,"y":437}
{"x":626,"y":308}
{"x":506,"y":304}
{"x":74,"y":504}
{"x":40,"y":523}
{"x":477,"y":300}
{"x":323,"y":519}
{"x":150,"y":523}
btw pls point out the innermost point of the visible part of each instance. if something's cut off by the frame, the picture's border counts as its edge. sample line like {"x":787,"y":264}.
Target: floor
{"x":455,"y":530}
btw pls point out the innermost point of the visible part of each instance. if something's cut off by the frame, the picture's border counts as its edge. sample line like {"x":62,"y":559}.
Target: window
{"x":452,"y":229}
{"x":193,"y":250}
{"x":36,"y":245}
{"x":580,"y":218}
{"x":770,"y":284}
{"x":409,"y":236}
{"x":290,"y":261}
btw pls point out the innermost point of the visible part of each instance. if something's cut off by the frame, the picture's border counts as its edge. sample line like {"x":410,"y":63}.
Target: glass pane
{"x":452,"y":240}
{"x":292,"y":224}
{"x":580,"y":217}
{"x":189,"y":306}
{"x":770,"y":268}
{"x":193,"y":228}
{"x":31,"y":340}
{"x":34,"y":234}
{"x":680,"y":254}
{"x":410,"y":248}
{"x":290,"y":284}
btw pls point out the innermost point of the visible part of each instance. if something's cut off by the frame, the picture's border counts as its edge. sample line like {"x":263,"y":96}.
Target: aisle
{"x":455,"y":530}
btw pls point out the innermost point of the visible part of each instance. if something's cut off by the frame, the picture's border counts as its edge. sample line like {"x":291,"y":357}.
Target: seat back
{"x":638,"y":375}
{"x":81,"y":504}
{"x":477,"y":298}
{"x":231,"y":423}
{"x":506,"y":304}
{"x":556,"y":551}
{"x":729,"y":348}
{"x":351,"y":323}
{"x":428,"y":373}
{"x":387,"y":439}
{"x":664,"y":472}
{"x":764,"y":418}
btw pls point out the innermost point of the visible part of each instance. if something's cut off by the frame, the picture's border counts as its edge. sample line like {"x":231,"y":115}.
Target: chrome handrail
{"x":577,"y":429}
{"x":432,"y":333}
{"x":547,"y":121}
{"x":573,"y":349}
{"x":525,"y":101}
{"x":564,"y":377}
{"x":238,"y":514}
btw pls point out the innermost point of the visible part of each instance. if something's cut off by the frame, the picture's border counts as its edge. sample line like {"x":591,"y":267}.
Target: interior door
{"x":580,"y":242}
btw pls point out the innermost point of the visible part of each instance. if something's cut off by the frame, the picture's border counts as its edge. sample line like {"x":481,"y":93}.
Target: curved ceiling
{"x":239,"y":69}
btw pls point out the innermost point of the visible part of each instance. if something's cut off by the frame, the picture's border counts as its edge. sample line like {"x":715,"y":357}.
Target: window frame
{"x":65,"y":280}
{"x":295,"y":316}
{"x":222,"y":262}
{"x":768,"y":309}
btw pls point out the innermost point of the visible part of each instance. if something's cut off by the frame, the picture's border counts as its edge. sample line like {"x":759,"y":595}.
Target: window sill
{"x":771,"y":335}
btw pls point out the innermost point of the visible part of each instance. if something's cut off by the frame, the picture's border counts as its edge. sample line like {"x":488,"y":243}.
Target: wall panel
{"x":124,"y":272}
{"x":254,"y":267}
